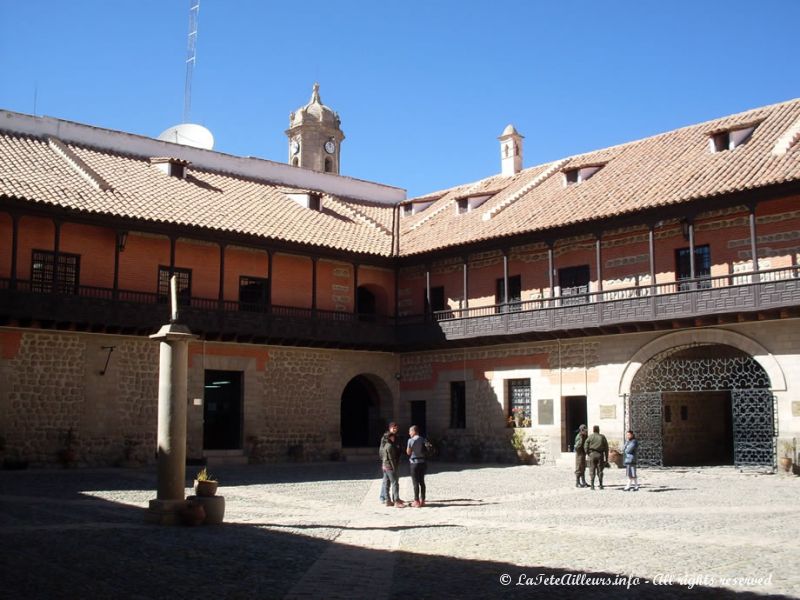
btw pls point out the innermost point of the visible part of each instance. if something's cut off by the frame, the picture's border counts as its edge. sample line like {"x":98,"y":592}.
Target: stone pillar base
{"x":214,"y":507}
{"x":164,"y":512}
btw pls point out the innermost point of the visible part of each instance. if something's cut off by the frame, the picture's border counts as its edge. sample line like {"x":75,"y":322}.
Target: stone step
{"x":364,"y":454}
{"x":216,"y":458}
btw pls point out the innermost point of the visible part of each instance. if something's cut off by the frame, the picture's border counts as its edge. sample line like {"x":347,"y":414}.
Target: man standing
{"x":416,"y":454}
{"x":580,"y":457}
{"x":391,"y":431}
{"x":596,"y":447}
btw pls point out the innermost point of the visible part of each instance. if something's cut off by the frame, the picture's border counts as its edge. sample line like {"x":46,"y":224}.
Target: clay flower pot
{"x":205,"y":487}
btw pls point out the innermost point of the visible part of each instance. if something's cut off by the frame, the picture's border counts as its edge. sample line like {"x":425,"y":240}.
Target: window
{"x":437,"y":300}
{"x":667,"y":414}
{"x":730,"y":139}
{"x":458,"y":405}
{"x":684,"y":412}
{"x":328,"y":165}
{"x":574,"y":281}
{"x":519,"y":396}
{"x":702,"y":267}
{"x":470,"y":203}
{"x":315,"y":201}
{"x":408,"y":210}
{"x":462,"y":206}
{"x":184,"y":279}
{"x":44,"y":274}
{"x":577,"y":175}
{"x":514,"y":294}
{"x":253,"y":293}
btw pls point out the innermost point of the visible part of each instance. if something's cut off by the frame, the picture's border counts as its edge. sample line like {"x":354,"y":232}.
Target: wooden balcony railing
{"x":105,"y":309}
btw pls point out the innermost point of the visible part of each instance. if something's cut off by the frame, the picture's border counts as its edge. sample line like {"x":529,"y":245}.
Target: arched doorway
{"x":703,"y":404}
{"x":361,"y":422}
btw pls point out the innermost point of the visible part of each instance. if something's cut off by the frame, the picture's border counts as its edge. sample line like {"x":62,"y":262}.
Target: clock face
{"x":330,"y":146}
{"x":295,"y":147}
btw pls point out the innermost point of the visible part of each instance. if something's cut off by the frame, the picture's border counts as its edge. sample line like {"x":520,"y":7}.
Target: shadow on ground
{"x":60,"y":543}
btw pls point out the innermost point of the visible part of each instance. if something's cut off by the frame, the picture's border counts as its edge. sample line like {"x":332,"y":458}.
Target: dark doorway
{"x":698,"y":428}
{"x":222,"y":410}
{"x":419,"y":416}
{"x":365,"y":303}
{"x":514,"y":294}
{"x":573,"y":415}
{"x":702,"y":267}
{"x":361,"y":425}
{"x":574,"y":281}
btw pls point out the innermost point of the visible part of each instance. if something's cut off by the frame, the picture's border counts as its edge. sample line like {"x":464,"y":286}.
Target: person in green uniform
{"x":596,"y":447}
{"x":580,"y":457}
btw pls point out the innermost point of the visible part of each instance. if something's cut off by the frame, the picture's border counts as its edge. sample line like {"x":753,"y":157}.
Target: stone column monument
{"x":172,"y":399}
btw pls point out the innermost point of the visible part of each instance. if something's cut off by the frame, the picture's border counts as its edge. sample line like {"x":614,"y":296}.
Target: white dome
{"x":189,"y":134}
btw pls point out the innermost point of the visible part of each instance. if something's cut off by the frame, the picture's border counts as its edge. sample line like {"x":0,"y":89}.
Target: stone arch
{"x":365,"y":406}
{"x":721,"y":337}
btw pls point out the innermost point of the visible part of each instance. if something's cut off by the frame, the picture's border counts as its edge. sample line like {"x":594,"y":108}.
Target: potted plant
{"x":614,"y":455}
{"x":787,"y":456}
{"x":518,"y":417}
{"x":205,"y":488}
{"x":524,"y":446}
{"x":204,"y":484}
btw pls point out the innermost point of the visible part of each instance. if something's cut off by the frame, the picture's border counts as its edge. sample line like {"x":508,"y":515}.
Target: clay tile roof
{"x":671,"y":168}
{"x":668,"y":169}
{"x":33,"y":171}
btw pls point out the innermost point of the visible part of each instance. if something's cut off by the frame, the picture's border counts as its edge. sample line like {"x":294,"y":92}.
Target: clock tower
{"x":315,"y":136}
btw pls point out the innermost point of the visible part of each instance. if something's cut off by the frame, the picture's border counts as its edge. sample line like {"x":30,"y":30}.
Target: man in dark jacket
{"x":389,"y":452}
{"x":580,"y":457}
{"x":596,"y":447}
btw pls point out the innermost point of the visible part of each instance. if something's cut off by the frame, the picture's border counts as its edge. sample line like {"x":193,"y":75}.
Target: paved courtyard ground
{"x":318,"y":531}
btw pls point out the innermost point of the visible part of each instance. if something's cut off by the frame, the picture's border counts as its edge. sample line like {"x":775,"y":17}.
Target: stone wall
{"x":51,"y":388}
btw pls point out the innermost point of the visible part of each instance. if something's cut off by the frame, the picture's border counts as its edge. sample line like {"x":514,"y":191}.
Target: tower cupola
{"x":510,"y":151}
{"x":315,"y":136}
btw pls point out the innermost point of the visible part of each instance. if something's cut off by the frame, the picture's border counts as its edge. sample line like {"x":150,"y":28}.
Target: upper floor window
{"x":253,"y":293}
{"x":184,"y":280}
{"x":729,"y":139}
{"x":702,"y":267}
{"x":580,"y":174}
{"x":514,"y":294}
{"x":437,"y":301}
{"x":470,"y":203}
{"x":574,"y":281}
{"x":49,"y":274}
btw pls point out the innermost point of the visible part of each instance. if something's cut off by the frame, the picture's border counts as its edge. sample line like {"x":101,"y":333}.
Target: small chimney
{"x":510,"y":151}
{"x":174,"y":167}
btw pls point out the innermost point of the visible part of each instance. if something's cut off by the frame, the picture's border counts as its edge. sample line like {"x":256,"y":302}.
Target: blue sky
{"x":423,"y":88}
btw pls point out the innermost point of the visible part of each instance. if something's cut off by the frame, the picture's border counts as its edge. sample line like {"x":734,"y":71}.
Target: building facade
{"x":652,"y":285}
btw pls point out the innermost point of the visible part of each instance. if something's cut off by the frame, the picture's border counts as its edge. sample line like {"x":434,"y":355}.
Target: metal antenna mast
{"x":194,"y":10}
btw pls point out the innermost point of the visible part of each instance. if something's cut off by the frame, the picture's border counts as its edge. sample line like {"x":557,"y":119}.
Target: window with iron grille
{"x":44,"y":273}
{"x":253,"y":293}
{"x":458,"y":405}
{"x":184,"y":280}
{"x":519,"y":397}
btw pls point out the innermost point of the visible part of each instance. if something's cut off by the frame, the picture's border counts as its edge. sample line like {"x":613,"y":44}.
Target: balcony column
{"x":314,"y":260}
{"x":396,"y":293}
{"x":428,"y":310}
{"x":117,"y":245}
{"x":753,"y":243}
{"x":505,"y":280}
{"x":651,"y":241}
{"x":598,"y":251}
{"x":465,"y":304}
{"x":14,"y":249}
{"x":56,"y":254}
{"x":355,"y":288}
{"x":550,"y":268}
{"x":221,"y":296}
{"x":691,"y":251}
{"x":269,"y":281}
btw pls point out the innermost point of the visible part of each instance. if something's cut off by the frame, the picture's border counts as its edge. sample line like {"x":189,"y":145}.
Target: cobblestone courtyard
{"x":318,"y":531}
